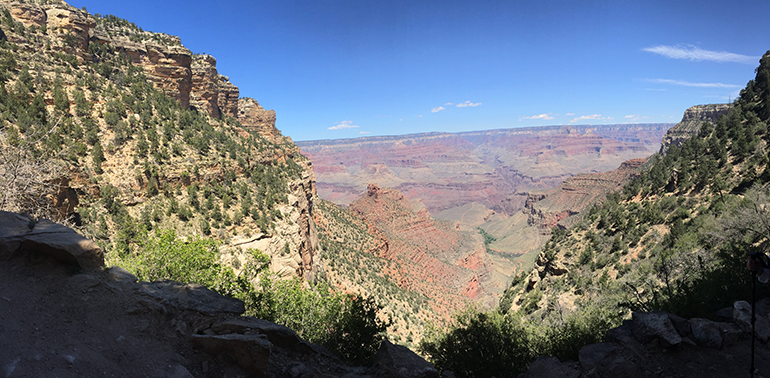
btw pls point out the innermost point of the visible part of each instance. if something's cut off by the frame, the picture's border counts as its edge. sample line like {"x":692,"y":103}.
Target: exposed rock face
{"x":662,"y":344}
{"x":253,"y":116}
{"x":63,"y":19}
{"x":422,"y":247}
{"x":228,"y":97}
{"x":18,"y":232}
{"x":28,"y":14}
{"x":691,"y":122}
{"x":168,"y":67}
{"x":205,"y":88}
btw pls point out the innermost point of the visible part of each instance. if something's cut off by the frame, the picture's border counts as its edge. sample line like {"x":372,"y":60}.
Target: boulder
{"x":191,"y":297}
{"x":119,"y":274}
{"x":64,"y":244}
{"x":278,"y":335}
{"x":591,"y":354}
{"x":547,"y":367}
{"x":396,"y":361}
{"x":250,"y":352}
{"x":706,"y":333}
{"x":742,"y":316}
{"x":13,"y":227}
{"x":649,"y":326}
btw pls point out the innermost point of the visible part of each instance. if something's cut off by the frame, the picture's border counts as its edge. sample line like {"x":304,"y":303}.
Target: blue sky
{"x":349,"y":68}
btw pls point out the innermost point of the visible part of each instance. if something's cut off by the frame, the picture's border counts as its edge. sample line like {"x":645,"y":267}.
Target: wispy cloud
{"x":448,"y":104}
{"x":419,"y":116}
{"x":343,"y":125}
{"x":592,"y":116}
{"x":697,"y":54}
{"x":570,"y":114}
{"x":635,"y":117}
{"x":690,"y":84}
{"x":539,"y":116}
{"x":467,"y":104}
{"x":437,"y":109}
{"x":364,"y":132}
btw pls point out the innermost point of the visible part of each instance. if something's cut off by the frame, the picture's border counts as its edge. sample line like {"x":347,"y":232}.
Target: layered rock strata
{"x":691,"y":122}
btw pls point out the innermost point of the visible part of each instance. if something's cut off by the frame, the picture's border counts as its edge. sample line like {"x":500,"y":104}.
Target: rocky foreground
{"x":62,"y":313}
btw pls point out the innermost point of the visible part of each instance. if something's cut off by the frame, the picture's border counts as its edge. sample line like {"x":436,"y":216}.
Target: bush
{"x":345,"y":324}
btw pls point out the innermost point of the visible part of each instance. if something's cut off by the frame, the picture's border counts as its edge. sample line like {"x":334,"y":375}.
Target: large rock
{"x":254,"y":117}
{"x":648,"y":326}
{"x":28,"y":14}
{"x":548,"y":367}
{"x":591,"y":354}
{"x":280,"y":336}
{"x":396,"y":361}
{"x":742,"y":316}
{"x":13,"y":227}
{"x":205,"y":85}
{"x":706,"y":333}
{"x":251,"y":352}
{"x":64,"y":244}
{"x":691,"y":123}
{"x":191,"y":297}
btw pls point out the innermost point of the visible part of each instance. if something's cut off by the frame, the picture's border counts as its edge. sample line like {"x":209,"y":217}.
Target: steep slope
{"x":147,"y":135}
{"x":676,"y":237}
{"x":387,"y":246}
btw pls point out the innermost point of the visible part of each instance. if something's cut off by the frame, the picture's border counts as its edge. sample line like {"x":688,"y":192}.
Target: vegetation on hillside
{"x":159,"y":187}
{"x":674,"y":239}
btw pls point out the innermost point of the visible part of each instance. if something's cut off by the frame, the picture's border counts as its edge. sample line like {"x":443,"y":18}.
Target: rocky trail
{"x":65,"y":316}
{"x":62,"y":314}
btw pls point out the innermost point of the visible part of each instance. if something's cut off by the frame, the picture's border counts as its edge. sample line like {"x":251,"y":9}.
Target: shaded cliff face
{"x":248,"y":185}
{"x":691,"y":123}
{"x":492,"y":167}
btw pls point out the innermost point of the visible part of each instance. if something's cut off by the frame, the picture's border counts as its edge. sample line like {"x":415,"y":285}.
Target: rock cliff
{"x":691,"y":123}
{"x":104,"y":47}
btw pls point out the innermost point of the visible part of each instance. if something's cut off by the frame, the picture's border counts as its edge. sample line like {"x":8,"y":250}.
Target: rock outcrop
{"x":20,"y":232}
{"x":102,"y":322}
{"x":28,"y":14}
{"x":691,"y":123}
{"x":205,"y":85}
{"x":228,"y":97}
{"x":663,"y":344}
{"x":254,"y":117}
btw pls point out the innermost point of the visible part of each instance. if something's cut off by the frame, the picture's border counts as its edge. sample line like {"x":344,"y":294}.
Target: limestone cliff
{"x":691,"y":122}
{"x":278,"y":214}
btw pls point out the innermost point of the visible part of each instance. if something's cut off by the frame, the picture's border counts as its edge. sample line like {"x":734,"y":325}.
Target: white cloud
{"x":437,"y":109}
{"x":570,"y":114}
{"x":690,"y":84}
{"x":448,"y":104}
{"x":419,"y":116}
{"x":364,"y":132}
{"x":592,"y":116}
{"x":539,"y":116}
{"x":343,"y":125}
{"x":635,"y":117}
{"x":467,"y":104}
{"x":697,"y":54}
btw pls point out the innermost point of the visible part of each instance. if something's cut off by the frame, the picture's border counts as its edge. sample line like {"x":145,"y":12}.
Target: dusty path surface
{"x":55,"y":322}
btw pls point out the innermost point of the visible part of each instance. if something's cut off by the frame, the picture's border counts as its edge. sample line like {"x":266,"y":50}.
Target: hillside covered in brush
{"x":129,"y":132}
{"x":674,"y":238}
